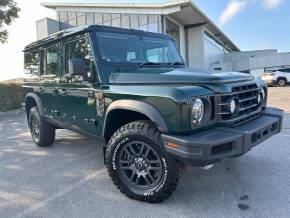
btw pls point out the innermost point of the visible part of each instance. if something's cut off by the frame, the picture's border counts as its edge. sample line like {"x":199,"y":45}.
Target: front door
{"x":76,"y":92}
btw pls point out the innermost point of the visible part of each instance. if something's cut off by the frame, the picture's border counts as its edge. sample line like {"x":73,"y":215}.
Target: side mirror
{"x":76,"y":66}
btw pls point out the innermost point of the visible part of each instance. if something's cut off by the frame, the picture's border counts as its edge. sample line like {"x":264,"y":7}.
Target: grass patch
{"x":11,"y":95}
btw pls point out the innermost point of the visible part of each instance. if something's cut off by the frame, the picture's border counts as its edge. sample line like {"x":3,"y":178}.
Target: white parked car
{"x":279,"y":77}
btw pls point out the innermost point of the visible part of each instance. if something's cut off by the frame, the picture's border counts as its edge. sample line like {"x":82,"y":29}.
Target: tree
{"x":8,"y":12}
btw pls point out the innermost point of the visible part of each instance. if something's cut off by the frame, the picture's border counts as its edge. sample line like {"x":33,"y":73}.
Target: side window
{"x":32,"y":63}
{"x":80,"y":49}
{"x":51,"y":61}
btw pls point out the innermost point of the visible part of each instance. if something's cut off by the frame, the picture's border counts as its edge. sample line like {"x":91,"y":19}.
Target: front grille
{"x":248,"y":108}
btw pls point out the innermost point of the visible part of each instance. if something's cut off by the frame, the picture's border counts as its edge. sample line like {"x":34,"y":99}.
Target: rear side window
{"x":51,"y":61}
{"x":32,"y":63}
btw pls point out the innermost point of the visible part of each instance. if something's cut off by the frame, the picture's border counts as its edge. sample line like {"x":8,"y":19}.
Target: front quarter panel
{"x":170,"y":101}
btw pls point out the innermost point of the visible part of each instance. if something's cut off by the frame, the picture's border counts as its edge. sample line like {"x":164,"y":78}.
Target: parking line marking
{"x":59,"y":194}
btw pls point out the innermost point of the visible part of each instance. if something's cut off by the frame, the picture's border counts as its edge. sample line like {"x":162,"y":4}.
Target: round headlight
{"x":197,"y":111}
{"x":233,"y":106}
{"x":261,"y":96}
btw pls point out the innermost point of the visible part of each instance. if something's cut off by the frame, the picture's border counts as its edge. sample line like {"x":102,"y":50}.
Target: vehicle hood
{"x":176,"y":76}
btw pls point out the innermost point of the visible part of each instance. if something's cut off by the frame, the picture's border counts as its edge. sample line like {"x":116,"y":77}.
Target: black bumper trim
{"x":221,"y":143}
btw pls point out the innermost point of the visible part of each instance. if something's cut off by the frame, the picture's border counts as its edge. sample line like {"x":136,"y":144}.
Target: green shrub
{"x":11,"y":96}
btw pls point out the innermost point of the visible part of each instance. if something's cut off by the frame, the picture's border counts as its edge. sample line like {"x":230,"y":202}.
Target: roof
{"x":167,"y":7}
{"x":81,"y":29}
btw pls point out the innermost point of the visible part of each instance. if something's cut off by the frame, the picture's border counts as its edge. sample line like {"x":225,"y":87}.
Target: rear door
{"x":50,"y":63}
{"x":77,"y":93}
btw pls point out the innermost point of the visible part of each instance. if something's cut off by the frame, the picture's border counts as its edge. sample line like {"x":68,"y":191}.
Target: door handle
{"x":91,"y":94}
{"x":38,"y":89}
{"x":55,"y":92}
{"x":62,"y":92}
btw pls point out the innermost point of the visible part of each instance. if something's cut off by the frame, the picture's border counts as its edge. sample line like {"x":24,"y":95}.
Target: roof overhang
{"x":185,"y":11}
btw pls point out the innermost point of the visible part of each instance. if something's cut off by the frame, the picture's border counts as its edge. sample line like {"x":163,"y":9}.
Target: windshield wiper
{"x":148,"y":64}
{"x":176,"y":64}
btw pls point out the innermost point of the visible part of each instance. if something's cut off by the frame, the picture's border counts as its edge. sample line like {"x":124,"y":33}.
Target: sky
{"x":251,"y":24}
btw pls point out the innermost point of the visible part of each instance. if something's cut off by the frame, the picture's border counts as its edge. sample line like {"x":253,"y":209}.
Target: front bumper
{"x":221,"y":143}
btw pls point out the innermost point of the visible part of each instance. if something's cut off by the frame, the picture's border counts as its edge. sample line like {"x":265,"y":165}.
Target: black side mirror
{"x":76,"y":66}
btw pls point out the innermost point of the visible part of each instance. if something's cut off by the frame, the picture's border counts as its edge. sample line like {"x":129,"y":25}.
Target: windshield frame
{"x":135,"y":64}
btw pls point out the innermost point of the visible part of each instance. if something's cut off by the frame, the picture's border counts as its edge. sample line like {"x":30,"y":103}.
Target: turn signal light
{"x":172,"y":145}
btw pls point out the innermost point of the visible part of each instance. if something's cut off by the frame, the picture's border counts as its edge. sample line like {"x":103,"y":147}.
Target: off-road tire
{"x":46,"y":131}
{"x":146,"y":132}
{"x":281,"y":82}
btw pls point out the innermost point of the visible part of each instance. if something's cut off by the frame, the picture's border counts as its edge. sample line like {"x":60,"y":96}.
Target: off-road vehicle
{"x":132,"y":90}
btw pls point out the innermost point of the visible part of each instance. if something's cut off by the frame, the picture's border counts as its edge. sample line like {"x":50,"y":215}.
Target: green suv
{"x":131,"y":89}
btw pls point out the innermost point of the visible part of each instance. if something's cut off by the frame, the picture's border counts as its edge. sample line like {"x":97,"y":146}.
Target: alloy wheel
{"x":140,"y":164}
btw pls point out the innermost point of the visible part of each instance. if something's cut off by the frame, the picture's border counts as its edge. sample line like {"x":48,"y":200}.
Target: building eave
{"x":162,"y":8}
{"x":116,"y":5}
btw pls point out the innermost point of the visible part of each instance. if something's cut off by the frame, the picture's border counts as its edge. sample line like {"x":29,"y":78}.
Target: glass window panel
{"x":108,"y":23}
{"x":98,"y":18}
{"x":159,"y":27}
{"x":144,"y":28}
{"x":172,"y":30}
{"x":31,"y":63}
{"x":126,"y":21}
{"x":134,"y":21}
{"x":63,"y":25}
{"x":116,"y":22}
{"x":72,"y":21}
{"x":142,"y":20}
{"x":81,"y":19}
{"x":90,"y":18}
{"x":71,"y":15}
{"x":80,"y":49}
{"x":62,"y":16}
{"x":50,"y":61}
{"x":152,"y":18}
{"x":158,"y":17}
{"x":152,"y":27}
{"x":114,"y":16}
{"x":107,"y":17}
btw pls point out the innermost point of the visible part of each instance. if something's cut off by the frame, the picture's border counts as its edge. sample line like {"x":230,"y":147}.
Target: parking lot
{"x":70,"y":180}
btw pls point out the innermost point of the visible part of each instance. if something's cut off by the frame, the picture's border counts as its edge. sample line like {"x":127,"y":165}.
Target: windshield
{"x":137,"y":49}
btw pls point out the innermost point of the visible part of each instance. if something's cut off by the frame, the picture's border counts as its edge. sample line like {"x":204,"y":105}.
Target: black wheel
{"x":281,"y":82}
{"x":139,"y":165}
{"x":43,"y":134}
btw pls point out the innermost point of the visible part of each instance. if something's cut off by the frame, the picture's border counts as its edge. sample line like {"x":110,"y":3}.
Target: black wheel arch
{"x":141,"y":110}
{"x":31,"y":99}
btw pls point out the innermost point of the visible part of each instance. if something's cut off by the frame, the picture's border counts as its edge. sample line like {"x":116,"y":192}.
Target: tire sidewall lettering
{"x":163,"y":181}
{"x":116,"y":150}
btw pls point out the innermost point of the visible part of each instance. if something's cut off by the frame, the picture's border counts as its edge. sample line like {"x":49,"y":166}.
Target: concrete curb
{"x":17,"y":111}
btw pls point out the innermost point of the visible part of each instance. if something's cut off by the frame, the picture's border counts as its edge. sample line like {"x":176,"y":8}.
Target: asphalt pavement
{"x":70,"y":180}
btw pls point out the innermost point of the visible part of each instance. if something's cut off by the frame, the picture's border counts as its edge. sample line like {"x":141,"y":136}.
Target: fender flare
{"x":140,"y":107}
{"x":37,"y":101}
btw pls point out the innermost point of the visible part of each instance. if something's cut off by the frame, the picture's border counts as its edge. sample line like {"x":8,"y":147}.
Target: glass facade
{"x":173,"y":30}
{"x":150,"y":22}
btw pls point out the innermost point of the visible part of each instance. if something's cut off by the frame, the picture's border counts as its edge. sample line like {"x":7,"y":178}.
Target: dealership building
{"x":201,"y":43}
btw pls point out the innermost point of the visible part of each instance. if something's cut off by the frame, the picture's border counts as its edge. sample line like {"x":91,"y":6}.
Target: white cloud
{"x":232,"y":9}
{"x":270,"y":4}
